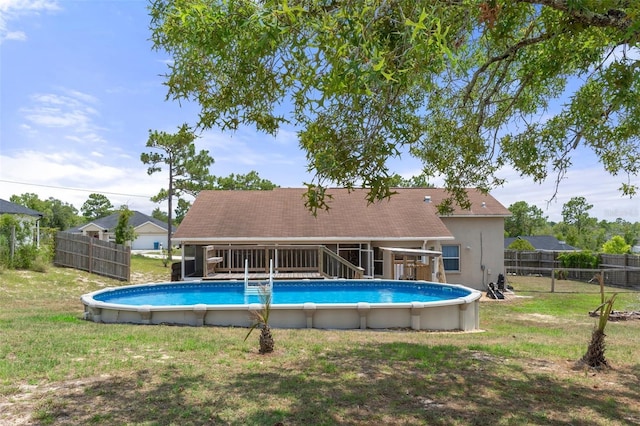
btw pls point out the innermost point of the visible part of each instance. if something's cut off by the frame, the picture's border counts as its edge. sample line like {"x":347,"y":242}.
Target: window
{"x":451,"y":258}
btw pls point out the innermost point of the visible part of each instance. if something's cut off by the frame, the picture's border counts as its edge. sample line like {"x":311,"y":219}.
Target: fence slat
{"x":92,"y":255}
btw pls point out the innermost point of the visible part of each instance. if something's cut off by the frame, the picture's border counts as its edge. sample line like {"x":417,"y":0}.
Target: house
{"x":24,"y":215}
{"x":231,"y":232}
{"x":151,"y":233}
{"x":542,"y":243}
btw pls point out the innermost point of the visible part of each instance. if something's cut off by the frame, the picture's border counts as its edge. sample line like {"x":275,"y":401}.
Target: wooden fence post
{"x":128,"y":262}
{"x":90,"y":254}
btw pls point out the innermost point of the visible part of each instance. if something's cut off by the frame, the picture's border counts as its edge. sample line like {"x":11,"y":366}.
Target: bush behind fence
{"x":620,"y":270}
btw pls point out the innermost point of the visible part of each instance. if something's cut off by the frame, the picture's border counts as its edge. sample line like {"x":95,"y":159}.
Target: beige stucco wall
{"x":481,"y":241}
{"x":91,"y":230}
{"x":150,"y":229}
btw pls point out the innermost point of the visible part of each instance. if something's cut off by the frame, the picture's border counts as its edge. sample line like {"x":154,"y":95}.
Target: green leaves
{"x":188,"y":172}
{"x":250,"y":181}
{"x":124,"y":231}
{"x":467,"y":87}
{"x":96,"y":206}
{"x":616,"y":245}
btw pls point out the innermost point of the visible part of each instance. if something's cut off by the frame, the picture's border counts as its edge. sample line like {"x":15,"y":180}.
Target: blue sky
{"x":80,"y":88}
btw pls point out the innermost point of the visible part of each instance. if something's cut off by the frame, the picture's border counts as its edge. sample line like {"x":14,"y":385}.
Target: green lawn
{"x":57,"y":369}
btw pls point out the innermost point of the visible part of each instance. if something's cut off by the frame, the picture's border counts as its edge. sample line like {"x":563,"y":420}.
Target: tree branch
{"x":512,"y":50}
{"x":613,"y":18}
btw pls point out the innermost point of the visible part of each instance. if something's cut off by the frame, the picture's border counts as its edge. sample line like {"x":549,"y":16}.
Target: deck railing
{"x":334,"y":266}
{"x":286,"y":259}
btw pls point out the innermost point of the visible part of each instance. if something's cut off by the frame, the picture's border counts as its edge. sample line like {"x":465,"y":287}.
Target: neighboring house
{"x":383,"y":239}
{"x":542,"y":243}
{"x":23,"y":214}
{"x":151,"y":233}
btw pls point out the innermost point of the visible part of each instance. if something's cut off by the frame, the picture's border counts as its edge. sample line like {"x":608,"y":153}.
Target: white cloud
{"x":280,"y":169}
{"x":72,"y":176}
{"x":587,"y":180}
{"x":80,"y":96}
{"x":55,"y":117}
{"x":11,"y":10}
{"x":15,"y":35}
{"x":246,"y":150}
{"x":71,"y":112}
{"x":287,"y":137}
{"x":22,"y":6}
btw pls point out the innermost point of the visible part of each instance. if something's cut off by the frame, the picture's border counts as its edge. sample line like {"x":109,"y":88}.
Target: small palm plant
{"x":261,"y":320}
{"x":595,"y":351}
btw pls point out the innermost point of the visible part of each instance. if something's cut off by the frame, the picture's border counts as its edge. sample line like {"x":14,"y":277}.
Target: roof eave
{"x":307,"y":239}
{"x":475,"y":216}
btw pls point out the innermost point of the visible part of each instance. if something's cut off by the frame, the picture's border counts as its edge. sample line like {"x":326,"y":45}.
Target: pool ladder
{"x":256,"y":287}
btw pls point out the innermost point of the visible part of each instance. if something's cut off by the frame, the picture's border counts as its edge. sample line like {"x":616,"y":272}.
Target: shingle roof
{"x":110,"y":222}
{"x":7,"y":207}
{"x":481,"y":204}
{"x":281,"y":214}
{"x":543,"y":242}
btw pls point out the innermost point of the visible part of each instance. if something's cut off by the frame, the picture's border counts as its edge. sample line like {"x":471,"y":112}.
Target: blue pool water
{"x":284,"y":292}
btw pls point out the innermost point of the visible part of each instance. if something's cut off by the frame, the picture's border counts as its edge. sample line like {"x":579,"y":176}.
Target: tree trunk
{"x":595,"y":352}
{"x":266,"y":340}
{"x":170,"y":212}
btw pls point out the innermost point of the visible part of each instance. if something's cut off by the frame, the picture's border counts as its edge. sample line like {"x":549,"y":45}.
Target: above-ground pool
{"x":341,"y":304}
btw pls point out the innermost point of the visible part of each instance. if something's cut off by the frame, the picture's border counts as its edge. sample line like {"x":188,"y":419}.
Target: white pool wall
{"x":460,"y":313}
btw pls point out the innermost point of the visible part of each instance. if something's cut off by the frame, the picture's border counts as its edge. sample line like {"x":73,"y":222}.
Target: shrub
{"x":25,"y":256}
{"x":580,"y":259}
{"x":18,"y":249}
{"x":616,"y":245}
{"x":521,"y":244}
{"x":40,"y":265}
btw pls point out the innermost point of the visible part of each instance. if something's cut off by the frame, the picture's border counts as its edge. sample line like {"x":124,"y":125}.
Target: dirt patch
{"x":22,"y":407}
{"x":508,"y":296}
{"x":547,"y":319}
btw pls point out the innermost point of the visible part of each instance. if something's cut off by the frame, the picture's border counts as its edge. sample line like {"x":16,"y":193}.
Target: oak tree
{"x":469,"y":87}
